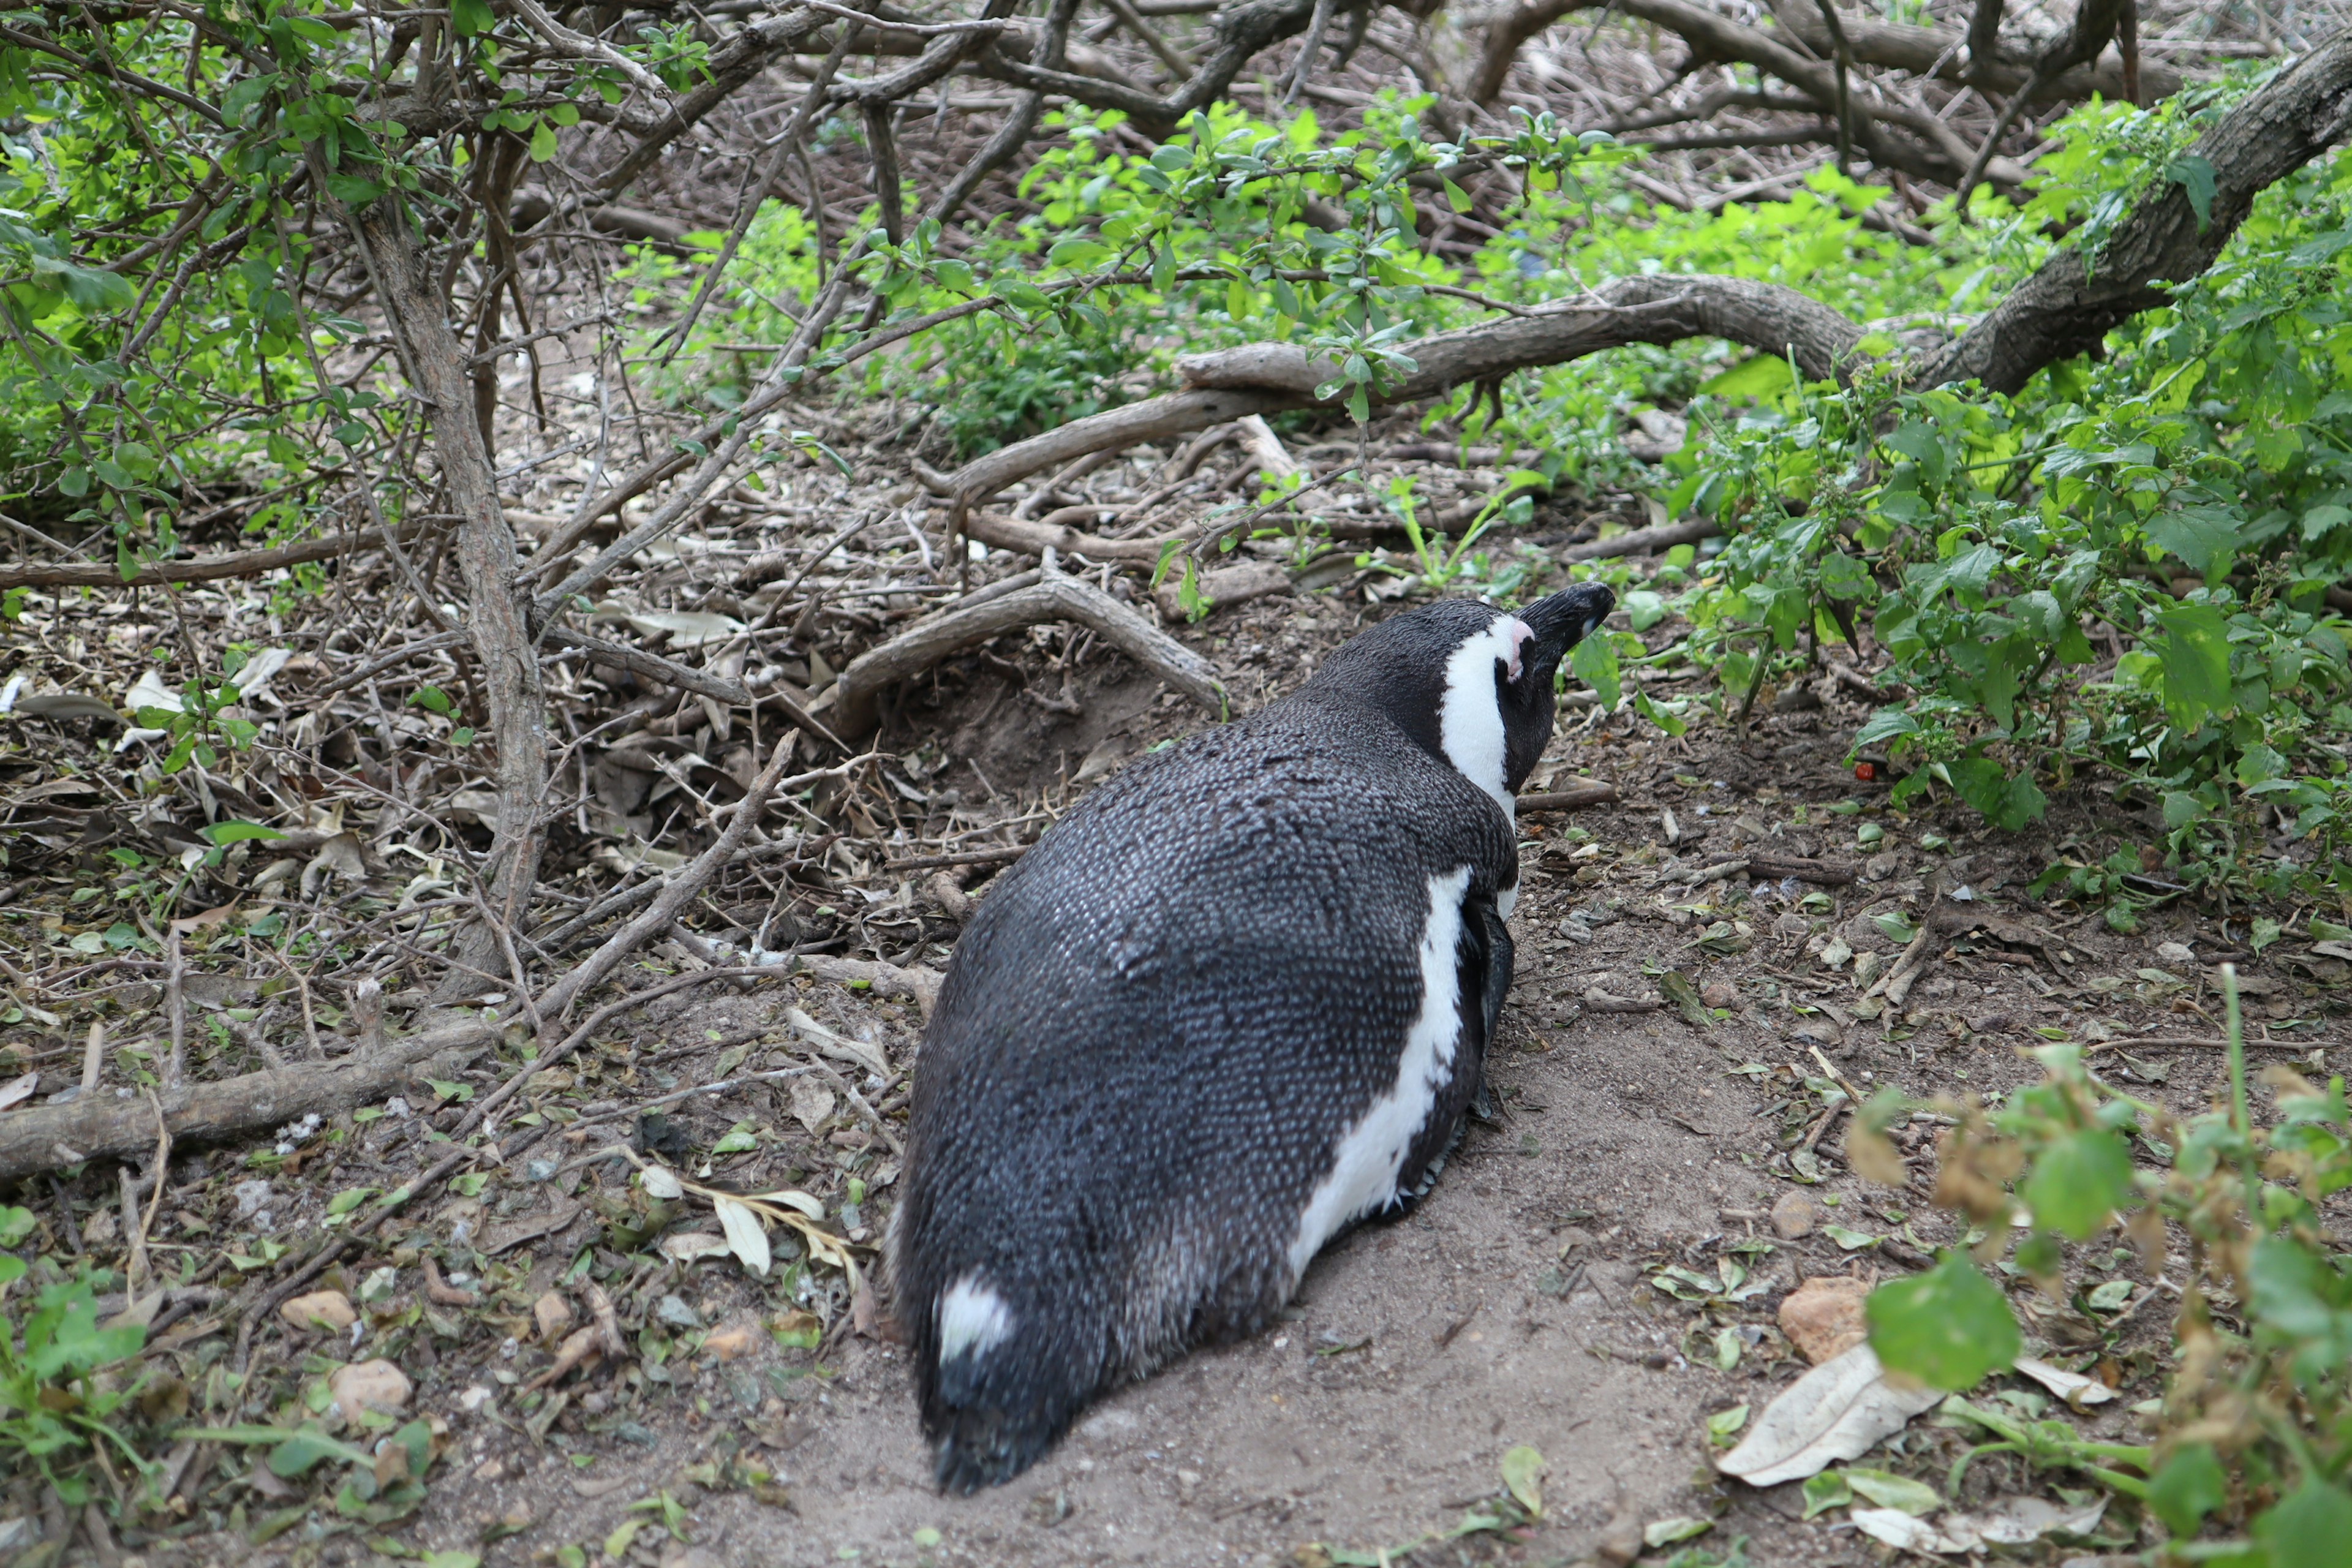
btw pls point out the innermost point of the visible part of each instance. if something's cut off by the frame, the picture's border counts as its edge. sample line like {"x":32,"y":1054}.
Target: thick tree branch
{"x":2072,"y":303}
{"x":1266,"y":378}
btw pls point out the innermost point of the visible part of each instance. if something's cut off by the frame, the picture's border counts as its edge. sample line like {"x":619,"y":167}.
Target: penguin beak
{"x":1562,"y":620}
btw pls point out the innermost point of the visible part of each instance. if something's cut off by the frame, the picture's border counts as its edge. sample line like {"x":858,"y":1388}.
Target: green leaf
{"x":1595,"y":662}
{"x":1643,"y":609}
{"x":300,"y":1453}
{"x":2310,"y":1528}
{"x":2188,"y":1487}
{"x":1456,"y":197}
{"x":471,"y":17}
{"x":1523,"y":1471}
{"x":1682,"y":1527}
{"x":1947,"y":1328}
{"x":2198,"y":534}
{"x":1662,"y":716}
{"x":1725,"y":1425}
{"x":543,"y":143}
{"x":434,"y":699}
{"x":2078,"y":1183}
{"x":2194,"y":176}
{"x":2194,"y":657}
{"x":227,"y":833}
{"x":1890,"y":1491}
{"x":1885,"y":725}
{"x":1826,"y":1491}
{"x":15,"y":1225}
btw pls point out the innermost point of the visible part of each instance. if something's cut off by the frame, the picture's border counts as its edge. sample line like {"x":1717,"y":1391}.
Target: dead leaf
{"x":2070,"y":1386}
{"x":812,"y":1102}
{"x":531,"y":1227}
{"x":338,"y":856}
{"x":203,"y":918}
{"x":746,"y":1239}
{"x":693,"y":1246}
{"x":1837,"y":1411}
{"x":1905,"y":1534}
{"x":20,"y":1090}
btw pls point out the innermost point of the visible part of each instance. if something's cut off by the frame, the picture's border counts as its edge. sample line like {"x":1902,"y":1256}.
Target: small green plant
{"x":2254,"y":1433}
{"x":58,"y":1396}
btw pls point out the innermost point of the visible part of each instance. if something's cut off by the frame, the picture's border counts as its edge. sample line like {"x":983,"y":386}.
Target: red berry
{"x":1866,"y":770}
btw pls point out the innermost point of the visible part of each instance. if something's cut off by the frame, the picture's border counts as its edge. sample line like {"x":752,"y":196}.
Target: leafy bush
{"x":2254,"y":1432}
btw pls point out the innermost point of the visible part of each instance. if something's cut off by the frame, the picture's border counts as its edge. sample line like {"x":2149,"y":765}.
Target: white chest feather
{"x":1470,"y":715}
{"x":1371,"y":1154}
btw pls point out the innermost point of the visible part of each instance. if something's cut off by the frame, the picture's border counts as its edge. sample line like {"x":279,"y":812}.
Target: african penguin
{"x":1236,"y":1001}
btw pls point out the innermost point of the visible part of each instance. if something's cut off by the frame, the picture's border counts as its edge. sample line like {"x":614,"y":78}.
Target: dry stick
{"x":680,"y":890}
{"x":196,"y":569}
{"x":93,"y":1056}
{"x":1842,"y":64}
{"x":652,"y":666}
{"x":1053,"y":597}
{"x":2158,"y":1042}
{"x":1569,"y":799}
{"x":36,"y":1137}
{"x":175,"y":1002}
{"x":757,"y":196}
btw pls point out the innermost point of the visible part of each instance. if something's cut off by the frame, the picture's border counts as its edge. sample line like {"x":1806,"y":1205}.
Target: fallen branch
{"x":1823,"y":873}
{"x":1569,"y":799}
{"x":653,"y":667}
{"x":91,"y":1126}
{"x":1642,"y":541}
{"x":850,"y":702}
{"x":197,"y":568}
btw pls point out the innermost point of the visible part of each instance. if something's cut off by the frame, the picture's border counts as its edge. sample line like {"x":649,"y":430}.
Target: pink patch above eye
{"x":1520,"y":633}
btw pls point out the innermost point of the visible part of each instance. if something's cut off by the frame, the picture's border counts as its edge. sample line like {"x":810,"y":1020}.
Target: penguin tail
{"x":999,"y":1385}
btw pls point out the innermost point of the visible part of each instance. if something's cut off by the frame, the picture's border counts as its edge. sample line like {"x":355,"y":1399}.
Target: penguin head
{"x":1470,"y":683}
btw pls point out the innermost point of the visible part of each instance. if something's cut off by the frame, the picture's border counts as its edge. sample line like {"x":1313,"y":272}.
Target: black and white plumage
{"x":1235,"y":1001}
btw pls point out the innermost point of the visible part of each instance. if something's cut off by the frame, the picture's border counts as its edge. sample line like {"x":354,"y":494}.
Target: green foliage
{"x":1946,"y":1328}
{"x":55,"y":1403}
{"x":2255,"y":1429}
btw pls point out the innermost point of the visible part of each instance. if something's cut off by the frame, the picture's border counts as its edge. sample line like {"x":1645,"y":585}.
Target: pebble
{"x":1796,"y":1215}
{"x":2178,"y":954}
{"x":1823,"y":1316}
{"x":369,"y":1385}
{"x":321,"y":1310}
{"x":732,"y":1342}
{"x":1720,"y":993}
{"x":553,"y":1313}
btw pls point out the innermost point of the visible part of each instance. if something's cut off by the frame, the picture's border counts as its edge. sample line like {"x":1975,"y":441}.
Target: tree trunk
{"x":437,"y":366}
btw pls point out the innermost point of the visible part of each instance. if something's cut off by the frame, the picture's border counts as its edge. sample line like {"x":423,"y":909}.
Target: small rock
{"x":732,"y":1342}
{"x":1720,"y":993}
{"x":1619,"y":1543}
{"x":328,"y":1309}
{"x":473,"y":1399}
{"x":2175,"y":953}
{"x":1878,"y":867}
{"x":553,"y":1313}
{"x":1993,"y":1024}
{"x":1794,"y":1216}
{"x":1823,"y":1316}
{"x":369,"y":1385}
{"x":689,"y":1557}
{"x":1818,"y":1032}
{"x":251,"y":1197}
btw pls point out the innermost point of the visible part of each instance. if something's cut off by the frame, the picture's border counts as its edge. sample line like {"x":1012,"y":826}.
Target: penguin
{"x":1233,"y":1003}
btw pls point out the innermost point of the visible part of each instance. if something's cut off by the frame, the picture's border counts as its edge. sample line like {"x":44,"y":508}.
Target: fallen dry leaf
{"x":1837,"y":1411}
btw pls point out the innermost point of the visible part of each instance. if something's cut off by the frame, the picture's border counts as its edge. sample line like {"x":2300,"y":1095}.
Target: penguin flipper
{"x":1485,"y":961}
